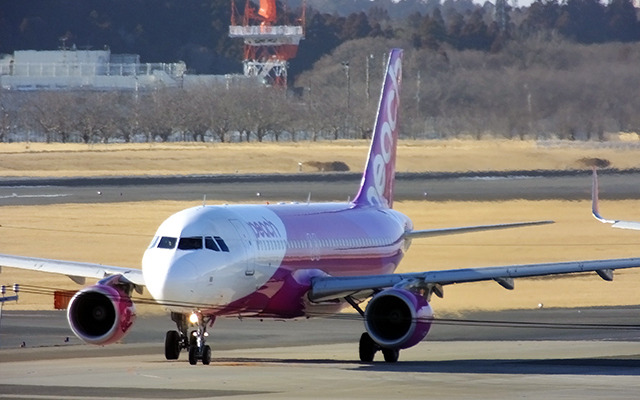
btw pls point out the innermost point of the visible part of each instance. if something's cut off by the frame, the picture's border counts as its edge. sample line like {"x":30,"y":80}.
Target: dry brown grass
{"x":40,"y":159}
{"x":118,"y":233}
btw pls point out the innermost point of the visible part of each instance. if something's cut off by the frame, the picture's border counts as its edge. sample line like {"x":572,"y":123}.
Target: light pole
{"x":367,"y":77}
{"x":345,"y":65}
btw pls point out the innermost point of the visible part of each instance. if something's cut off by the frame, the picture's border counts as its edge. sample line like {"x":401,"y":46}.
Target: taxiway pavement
{"x":528,"y":185}
{"x":317,"y":359}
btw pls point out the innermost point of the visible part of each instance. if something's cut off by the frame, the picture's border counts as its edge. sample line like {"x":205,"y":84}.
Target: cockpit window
{"x":210,"y":244}
{"x":221,"y":243}
{"x":215,"y":243}
{"x":167,"y":242}
{"x":190,"y":243}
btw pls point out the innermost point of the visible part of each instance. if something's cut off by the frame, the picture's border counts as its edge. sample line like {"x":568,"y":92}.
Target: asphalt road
{"x":44,"y":329}
{"x":530,"y":185}
{"x":317,"y":359}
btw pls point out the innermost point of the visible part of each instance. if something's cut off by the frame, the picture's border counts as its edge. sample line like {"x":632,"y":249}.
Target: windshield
{"x":215,"y":243}
{"x":190,"y":243}
{"x":167,"y":242}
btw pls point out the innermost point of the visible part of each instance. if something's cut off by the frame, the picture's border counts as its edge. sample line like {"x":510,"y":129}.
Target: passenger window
{"x":210,"y":244}
{"x":221,"y":243}
{"x":190,"y":243}
{"x":167,"y":242}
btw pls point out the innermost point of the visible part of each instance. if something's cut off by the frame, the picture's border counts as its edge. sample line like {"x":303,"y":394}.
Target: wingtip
{"x":594,"y":195}
{"x":595,"y":199}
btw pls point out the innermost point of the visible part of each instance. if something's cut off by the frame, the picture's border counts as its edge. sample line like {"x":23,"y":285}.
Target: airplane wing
{"x":615,"y":223}
{"x":465,"y":229}
{"x":77,"y":271}
{"x":330,"y":288}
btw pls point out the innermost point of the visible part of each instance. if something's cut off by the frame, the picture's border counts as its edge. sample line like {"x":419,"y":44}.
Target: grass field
{"x":118,"y":233}
{"x":41,"y":159}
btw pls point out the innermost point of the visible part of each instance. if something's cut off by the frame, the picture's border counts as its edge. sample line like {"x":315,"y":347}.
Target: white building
{"x":85,"y":69}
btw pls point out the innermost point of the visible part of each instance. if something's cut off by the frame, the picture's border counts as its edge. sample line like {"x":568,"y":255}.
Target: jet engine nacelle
{"x":101,"y":314}
{"x":398,"y":318}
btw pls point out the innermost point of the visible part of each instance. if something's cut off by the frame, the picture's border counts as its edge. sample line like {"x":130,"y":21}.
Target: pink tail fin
{"x":376,"y":188}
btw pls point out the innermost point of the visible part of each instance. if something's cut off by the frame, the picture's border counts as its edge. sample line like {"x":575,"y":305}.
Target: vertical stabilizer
{"x":376,"y":188}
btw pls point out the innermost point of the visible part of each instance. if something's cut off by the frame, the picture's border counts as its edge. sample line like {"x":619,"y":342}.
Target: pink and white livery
{"x":288,"y":261}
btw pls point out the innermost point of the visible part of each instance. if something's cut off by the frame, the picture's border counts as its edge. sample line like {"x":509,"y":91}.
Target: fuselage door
{"x":247,"y":247}
{"x":313,"y":246}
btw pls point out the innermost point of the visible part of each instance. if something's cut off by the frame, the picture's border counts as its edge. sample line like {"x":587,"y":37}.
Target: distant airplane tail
{"x":376,"y":188}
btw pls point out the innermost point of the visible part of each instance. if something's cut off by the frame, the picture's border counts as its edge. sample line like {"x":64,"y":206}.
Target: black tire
{"x":172,"y":345}
{"x":206,"y":355}
{"x":391,"y":355}
{"x":367,"y":348}
{"x":193,"y":341}
{"x":193,"y":355}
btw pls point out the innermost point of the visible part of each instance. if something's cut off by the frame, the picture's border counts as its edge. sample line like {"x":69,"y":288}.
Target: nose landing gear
{"x":198,"y":350}
{"x":175,"y":341}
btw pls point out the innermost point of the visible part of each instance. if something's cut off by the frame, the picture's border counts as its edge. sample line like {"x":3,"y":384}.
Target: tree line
{"x":555,"y":70}
{"x":542,"y":88}
{"x":196,"y":31}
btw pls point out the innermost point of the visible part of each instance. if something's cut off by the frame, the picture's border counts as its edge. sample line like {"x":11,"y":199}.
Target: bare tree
{"x":52,"y":113}
{"x":157,"y":111}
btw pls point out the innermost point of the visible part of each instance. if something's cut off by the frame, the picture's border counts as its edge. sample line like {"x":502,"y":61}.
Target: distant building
{"x":31,"y":70}
{"x":85,"y":69}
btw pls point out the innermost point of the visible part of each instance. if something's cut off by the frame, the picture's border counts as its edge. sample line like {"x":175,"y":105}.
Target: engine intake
{"x":101,"y":314}
{"x":398,"y":318}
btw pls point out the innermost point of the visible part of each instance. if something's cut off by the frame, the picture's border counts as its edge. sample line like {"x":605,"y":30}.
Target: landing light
{"x":193,"y":318}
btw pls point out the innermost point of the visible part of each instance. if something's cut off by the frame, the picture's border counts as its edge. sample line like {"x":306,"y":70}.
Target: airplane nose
{"x":171,"y":282}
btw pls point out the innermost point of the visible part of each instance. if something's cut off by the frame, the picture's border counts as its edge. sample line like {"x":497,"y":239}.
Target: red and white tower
{"x":269,"y":41}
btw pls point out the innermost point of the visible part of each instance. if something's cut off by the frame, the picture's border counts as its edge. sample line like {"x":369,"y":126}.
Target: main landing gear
{"x":175,"y":341}
{"x":368,"y":349}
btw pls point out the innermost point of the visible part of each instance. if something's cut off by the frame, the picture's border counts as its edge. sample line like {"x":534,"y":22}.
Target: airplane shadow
{"x":572,"y":366}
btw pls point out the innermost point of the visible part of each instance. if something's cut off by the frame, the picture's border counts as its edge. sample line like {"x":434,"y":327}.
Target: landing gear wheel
{"x":193,"y":355}
{"x":206,"y":355}
{"x":172,"y":345}
{"x":367,"y":348}
{"x":391,"y":355}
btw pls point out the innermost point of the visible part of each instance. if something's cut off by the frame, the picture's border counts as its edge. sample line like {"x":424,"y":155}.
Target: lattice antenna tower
{"x":269,"y":41}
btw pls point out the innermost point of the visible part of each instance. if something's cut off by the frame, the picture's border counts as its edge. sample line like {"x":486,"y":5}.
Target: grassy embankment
{"x":118,"y":233}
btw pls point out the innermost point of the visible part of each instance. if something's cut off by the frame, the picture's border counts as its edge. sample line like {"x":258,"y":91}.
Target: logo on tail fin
{"x":377,"y":181}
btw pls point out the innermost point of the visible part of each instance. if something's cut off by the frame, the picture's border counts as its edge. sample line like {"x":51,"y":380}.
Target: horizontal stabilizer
{"x":465,"y":229}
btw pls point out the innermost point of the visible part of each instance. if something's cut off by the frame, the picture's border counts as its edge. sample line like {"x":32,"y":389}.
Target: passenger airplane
{"x":615,"y":223}
{"x":288,"y":261}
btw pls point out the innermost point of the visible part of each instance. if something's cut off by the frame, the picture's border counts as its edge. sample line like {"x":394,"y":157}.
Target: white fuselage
{"x":214,"y":256}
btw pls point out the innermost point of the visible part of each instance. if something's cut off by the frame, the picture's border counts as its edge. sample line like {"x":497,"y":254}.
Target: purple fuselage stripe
{"x":340,"y":240}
